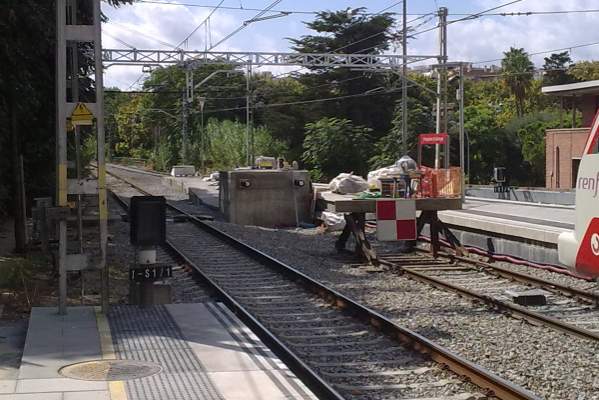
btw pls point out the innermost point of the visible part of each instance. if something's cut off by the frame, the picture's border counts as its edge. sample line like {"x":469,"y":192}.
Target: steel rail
{"x":476,"y":374}
{"x":525,"y":278}
{"x":312,"y":380}
{"x":510,"y":308}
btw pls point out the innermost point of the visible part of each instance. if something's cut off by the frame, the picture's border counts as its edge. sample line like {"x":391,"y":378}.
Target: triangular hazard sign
{"x":81,"y":115}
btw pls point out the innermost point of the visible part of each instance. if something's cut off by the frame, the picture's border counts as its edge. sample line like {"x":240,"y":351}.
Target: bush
{"x":226,"y":145}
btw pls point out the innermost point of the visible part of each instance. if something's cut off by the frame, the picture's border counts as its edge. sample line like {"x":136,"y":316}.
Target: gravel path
{"x":551,"y":364}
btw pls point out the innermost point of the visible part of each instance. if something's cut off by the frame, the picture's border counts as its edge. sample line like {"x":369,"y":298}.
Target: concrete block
{"x":183,"y":170}
{"x":266,"y":197}
{"x":534,"y":297}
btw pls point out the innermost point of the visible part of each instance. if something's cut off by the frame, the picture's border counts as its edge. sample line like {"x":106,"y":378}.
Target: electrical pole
{"x":202,"y":102}
{"x":441,"y":81}
{"x":248,"y":116}
{"x":461,"y":100}
{"x":184,"y":118}
{"x":404,"y":82}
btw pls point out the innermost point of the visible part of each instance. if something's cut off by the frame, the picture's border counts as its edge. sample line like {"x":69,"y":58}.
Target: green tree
{"x":556,"y":69}
{"x":286,"y":122}
{"x":353,"y":31}
{"x":489,"y":145}
{"x":420,"y":120}
{"x":585,"y":70}
{"x":517,"y":70}
{"x":530,"y":130}
{"x":334,"y":145}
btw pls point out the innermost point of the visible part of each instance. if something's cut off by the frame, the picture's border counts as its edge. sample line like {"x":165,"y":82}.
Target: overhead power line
{"x":248,"y":22}
{"x":363,"y":39}
{"x":468,"y":17}
{"x":305,"y":12}
{"x":201,"y":24}
{"x":349,"y":96}
{"x":314,"y":12}
{"x":118,"y":40}
{"x":529,"y":13}
{"x":536,"y":53}
{"x":155,"y":39}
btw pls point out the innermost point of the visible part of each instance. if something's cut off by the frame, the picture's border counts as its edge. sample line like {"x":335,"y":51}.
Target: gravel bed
{"x":562,"y":279}
{"x":553,"y":365}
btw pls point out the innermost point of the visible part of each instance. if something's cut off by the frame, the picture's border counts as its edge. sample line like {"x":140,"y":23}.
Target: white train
{"x":579,"y":250}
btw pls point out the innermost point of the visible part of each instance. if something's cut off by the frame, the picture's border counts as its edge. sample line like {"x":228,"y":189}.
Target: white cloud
{"x":484,"y":38}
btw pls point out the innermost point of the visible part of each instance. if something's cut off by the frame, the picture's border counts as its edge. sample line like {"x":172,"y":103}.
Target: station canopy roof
{"x":573,"y":89}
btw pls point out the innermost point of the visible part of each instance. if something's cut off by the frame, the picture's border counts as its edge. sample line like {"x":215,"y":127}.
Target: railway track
{"x":567,"y":309}
{"x":340,"y":348}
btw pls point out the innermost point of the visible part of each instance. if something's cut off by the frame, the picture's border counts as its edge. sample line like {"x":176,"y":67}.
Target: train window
{"x":592,"y":146}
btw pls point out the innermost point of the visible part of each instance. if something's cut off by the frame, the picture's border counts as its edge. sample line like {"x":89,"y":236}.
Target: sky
{"x":483,"y":40}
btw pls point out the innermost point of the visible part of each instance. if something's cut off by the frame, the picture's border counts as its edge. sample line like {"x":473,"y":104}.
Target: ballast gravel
{"x":551,"y":364}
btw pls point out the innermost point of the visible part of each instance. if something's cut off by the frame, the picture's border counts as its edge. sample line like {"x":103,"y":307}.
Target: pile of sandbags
{"x":347,"y":184}
{"x":333,"y":221}
{"x":385,"y":172}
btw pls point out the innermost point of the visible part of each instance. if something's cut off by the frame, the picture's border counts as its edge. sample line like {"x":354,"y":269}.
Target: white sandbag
{"x":333,"y":221}
{"x":373,"y":176}
{"x":348,"y":183}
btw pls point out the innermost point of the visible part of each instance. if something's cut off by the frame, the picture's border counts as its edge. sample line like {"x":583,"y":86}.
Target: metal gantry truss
{"x":190,"y":60}
{"x":311,"y":60}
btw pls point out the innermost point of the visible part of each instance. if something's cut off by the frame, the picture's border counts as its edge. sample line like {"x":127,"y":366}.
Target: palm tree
{"x":517,"y":74}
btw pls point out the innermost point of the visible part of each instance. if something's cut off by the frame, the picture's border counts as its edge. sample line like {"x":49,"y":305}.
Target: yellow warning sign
{"x":81,"y":115}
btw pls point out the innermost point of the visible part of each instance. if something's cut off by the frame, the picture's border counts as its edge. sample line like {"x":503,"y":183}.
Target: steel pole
{"x":461,"y":95}
{"x":247,"y":115}
{"x":102,"y":199}
{"x":442,"y":74}
{"x":61,"y":150}
{"x":184,"y":118}
{"x":202,"y":140}
{"x":404,"y":82}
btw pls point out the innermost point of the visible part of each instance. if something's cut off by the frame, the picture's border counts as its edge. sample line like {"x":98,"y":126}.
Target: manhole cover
{"x":110,"y":370}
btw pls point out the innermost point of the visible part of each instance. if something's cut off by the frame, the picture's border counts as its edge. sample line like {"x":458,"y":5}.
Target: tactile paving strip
{"x":150,"y":334}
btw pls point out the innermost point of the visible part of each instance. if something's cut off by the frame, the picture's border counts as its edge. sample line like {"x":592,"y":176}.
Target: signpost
{"x":81,"y":115}
{"x":147,"y":223}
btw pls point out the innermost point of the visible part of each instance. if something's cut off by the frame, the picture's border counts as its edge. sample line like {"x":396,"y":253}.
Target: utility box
{"x":147,"y":220}
{"x":269,"y":198}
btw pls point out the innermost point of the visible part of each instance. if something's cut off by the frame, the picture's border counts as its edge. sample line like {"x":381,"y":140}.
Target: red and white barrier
{"x":395,"y":219}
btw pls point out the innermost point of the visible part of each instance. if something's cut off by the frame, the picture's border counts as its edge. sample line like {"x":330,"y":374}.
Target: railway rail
{"x":568,"y":309}
{"x":340,"y":348}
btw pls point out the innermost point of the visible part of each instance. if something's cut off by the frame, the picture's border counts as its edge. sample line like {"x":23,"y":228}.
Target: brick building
{"x":564,"y":146}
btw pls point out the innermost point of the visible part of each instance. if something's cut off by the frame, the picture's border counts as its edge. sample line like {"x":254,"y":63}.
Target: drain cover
{"x":110,"y":370}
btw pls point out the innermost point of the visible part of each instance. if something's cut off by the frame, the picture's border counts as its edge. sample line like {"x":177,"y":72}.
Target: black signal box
{"x":147,"y":220}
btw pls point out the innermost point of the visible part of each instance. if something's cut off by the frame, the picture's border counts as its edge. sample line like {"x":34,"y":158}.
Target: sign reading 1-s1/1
{"x":150,"y":273}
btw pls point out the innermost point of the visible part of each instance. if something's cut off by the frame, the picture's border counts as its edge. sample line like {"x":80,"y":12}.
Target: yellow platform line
{"x":116,"y":388}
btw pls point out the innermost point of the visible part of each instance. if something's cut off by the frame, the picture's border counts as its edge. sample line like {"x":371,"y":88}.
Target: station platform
{"x":195,"y":351}
{"x":539,"y":222}
{"x":200,"y":192}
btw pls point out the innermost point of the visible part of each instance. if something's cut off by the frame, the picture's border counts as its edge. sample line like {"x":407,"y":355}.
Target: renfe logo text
{"x":591,"y":184}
